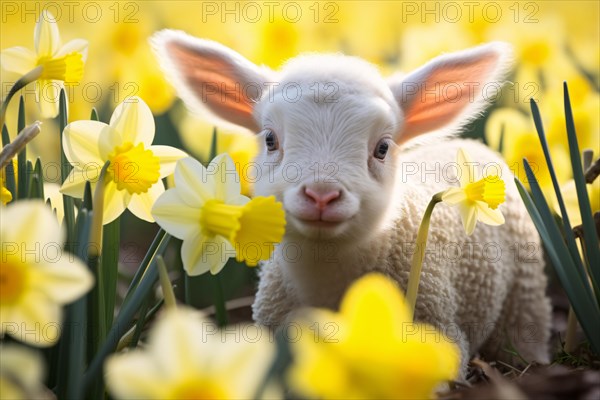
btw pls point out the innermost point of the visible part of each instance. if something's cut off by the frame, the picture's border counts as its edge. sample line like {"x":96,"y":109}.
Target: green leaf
{"x":578,"y":289}
{"x":592,"y":249}
{"x":36,"y":187}
{"x":110,"y":266}
{"x":123,"y":321}
{"x":22,"y":184}
{"x":94,"y":115}
{"x":72,"y":346}
{"x":68,"y":202}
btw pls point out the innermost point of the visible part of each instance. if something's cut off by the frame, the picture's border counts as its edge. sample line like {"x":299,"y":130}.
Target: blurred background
{"x":554,"y":41}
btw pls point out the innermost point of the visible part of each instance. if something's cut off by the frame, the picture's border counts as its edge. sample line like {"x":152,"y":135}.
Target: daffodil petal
{"x":488,"y":216}
{"x":141,"y":204}
{"x":47,"y":95}
{"x":124,"y":380}
{"x":74,"y":46}
{"x":217,"y":260}
{"x":46,"y":36}
{"x":63,"y":279}
{"x":468,"y":170}
{"x":168,"y":158}
{"x":377,"y":299}
{"x":74,"y":185}
{"x":38,"y":320}
{"x":454,"y":196}
{"x":228,"y":181}
{"x":175,"y":216}
{"x":468,"y":215}
{"x":134,"y":121}
{"x":115,"y":202}
{"x":17,"y":59}
{"x":194,"y":184}
{"x":174,"y":342}
{"x":191,"y":255}
{"x":81,"y":142}
{"x":17,"y":221}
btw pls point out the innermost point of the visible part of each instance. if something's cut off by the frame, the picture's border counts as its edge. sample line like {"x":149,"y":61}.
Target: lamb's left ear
{"x":450,"y":90}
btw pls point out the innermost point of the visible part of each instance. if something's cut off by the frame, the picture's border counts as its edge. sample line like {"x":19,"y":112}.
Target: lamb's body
{"x":486,"y":289}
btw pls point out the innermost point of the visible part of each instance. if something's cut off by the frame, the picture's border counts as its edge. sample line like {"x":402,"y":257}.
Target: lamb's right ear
{"x":210,"y":76}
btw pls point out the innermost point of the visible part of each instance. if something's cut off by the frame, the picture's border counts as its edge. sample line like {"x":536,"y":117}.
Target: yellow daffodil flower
{"x":569,"y":194}
{"x":370,"y":349}
{"x":207,"y":212}
{"x":185,"y":359}
{"x":5,"y":194}
{"x":62,"y":64}
{"x":477,"y":199}
{"x":36,"y":276}
{"x":133,"y":179}
{"x":21,"y":373}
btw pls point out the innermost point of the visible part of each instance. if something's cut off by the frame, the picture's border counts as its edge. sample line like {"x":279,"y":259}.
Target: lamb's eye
{"x":381,"y":149}
{"x":271,"y":141}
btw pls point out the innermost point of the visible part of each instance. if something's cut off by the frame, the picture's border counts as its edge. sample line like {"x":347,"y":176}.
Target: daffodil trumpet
{"x":417,"y":261}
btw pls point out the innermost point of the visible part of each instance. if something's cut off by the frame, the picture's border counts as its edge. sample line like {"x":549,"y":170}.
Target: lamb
{"x":355,"y":159}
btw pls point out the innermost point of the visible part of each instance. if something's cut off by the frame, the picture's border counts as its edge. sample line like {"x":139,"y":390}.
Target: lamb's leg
{"x":273,"y":302}
{"x":524,"y":325}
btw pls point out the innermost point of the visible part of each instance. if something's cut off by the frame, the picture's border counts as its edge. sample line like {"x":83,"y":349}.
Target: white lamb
{"x":342,"y":150}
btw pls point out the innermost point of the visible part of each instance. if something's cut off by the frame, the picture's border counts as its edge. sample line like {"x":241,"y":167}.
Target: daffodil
{"x":36,"y":276}
{"x":5,"y":194}
{"x":370,"y":349}
{"x":61,"y":64}
{"x":133,"y":178}
{"x":569,"y":194}
{"x":207,"y":212}
{"x":187,"y":358}
{"x":21,"y":373}
{"x":477,"y":199}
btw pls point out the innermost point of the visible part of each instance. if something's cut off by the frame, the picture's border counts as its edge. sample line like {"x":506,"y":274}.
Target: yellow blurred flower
{"x":21,"y":373}
{"x":477,"y":199}
{"x":521,"y":141}
{"x":133,"y":178}
{"x":569,"y":194}
{"x":55,"y":197}
{"x":36,"y":276}
{"x":207,"y":212}
{"x":186,"y":360}
{"x":5,"y":195}
{"x":62,"y":64}
{"x":371,"y":349}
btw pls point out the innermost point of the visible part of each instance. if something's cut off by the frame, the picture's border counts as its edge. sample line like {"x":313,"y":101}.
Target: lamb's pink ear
{"x":210,"y":76}
{"x":450,"y":90}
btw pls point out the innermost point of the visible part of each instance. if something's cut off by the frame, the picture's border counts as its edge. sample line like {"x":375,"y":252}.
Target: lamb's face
{"x":328,"y":127}
{"x":328,"y":156}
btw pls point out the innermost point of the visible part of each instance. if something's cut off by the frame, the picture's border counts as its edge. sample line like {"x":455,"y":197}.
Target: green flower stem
{"x":26,"y":79}
{"x":221,"y":310}
{"x":417,"y":261}
{"x":165,"y":283}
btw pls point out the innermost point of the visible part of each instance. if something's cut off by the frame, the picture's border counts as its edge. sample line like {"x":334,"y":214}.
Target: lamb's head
{"x":330,"y":126}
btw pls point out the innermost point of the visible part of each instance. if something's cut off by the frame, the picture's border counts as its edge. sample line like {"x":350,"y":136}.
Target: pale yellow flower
{"x":370,"y":349}
{"x":21,"y":373}
{"x":37,"y":277}
{"x":133,"y":179}
{"x":62,"y":64}
{"x":241,"y":146}
{"x":477,"y":199}
{"x":188,"y":358}
{"x":215,"y":222}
